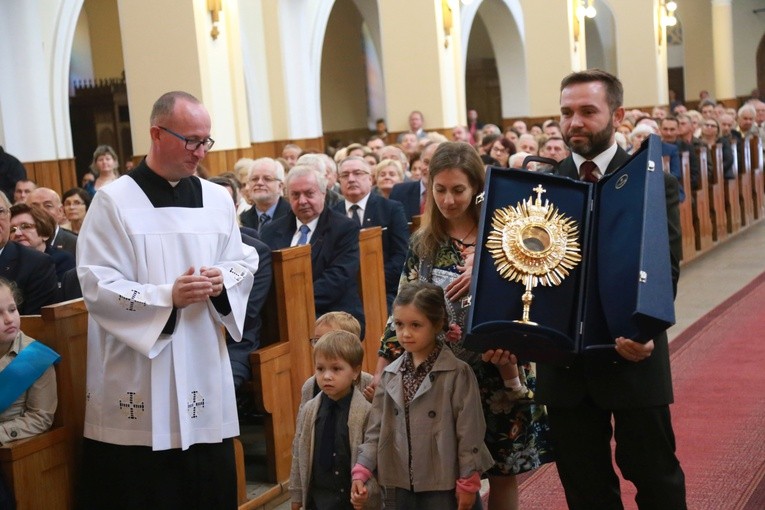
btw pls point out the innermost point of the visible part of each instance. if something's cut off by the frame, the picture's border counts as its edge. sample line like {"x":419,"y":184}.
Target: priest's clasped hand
{"x":192,"y":288}
{"x":632,"y":350}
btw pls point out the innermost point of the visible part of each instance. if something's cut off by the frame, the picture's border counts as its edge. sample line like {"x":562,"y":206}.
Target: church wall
{"x":748,"y":30}
{"x":696,"y":17}
{"x":343,"y":73}
{"x":104,"y":27}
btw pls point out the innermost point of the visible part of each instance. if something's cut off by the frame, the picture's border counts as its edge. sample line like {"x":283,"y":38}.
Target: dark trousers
{"x":130,"y":477}
{"x":645,"y":454}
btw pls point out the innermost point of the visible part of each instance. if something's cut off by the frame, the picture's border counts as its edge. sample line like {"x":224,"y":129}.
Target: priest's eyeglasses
{"x":192,"y":144}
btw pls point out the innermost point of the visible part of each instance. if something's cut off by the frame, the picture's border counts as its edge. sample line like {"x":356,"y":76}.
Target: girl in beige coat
{"x":426,"y":428}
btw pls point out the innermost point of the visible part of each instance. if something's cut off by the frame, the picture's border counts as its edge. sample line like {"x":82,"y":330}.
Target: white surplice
{"x":145,"y":387}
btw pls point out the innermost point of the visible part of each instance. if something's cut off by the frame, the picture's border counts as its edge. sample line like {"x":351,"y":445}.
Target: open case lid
{"x":623,"y":285}
{"x":634,"y":273}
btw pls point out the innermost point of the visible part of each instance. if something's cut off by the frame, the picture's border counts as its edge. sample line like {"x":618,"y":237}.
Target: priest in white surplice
{"x":163,"y":270}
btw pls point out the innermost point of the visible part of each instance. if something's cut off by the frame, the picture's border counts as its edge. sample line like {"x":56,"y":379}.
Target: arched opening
{"x":351,"y":81}
{"x":495,"y":62}
{"x":98,"y":108}
{"x":600,"y":39}
{"x":761,"y":67}
{"x":676,"y":63}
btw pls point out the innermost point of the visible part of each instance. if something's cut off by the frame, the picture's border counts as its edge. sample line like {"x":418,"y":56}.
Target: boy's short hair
{"x":342,"y":321}
{"x":340,"y":345}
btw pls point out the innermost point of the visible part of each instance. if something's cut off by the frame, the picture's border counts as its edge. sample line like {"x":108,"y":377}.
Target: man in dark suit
{"x":265,"y":187}
{"x":584,"y":397}
{"x":371,"y":210}
{"x":334,"y":242}
{"x":239,"y":352}
{"x":670,"y":129}
{"x":33,"y":272}
{"x":49,"y":201}
{"x":412,"y":194}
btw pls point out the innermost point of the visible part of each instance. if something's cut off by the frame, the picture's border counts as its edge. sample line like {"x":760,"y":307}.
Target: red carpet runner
{"x":718,"y":369}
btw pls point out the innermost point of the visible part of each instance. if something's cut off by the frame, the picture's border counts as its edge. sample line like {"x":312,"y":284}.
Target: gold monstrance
{"x":533,"y":243}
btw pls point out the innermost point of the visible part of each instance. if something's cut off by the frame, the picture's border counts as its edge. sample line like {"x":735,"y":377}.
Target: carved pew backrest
{"x":372,"y":289}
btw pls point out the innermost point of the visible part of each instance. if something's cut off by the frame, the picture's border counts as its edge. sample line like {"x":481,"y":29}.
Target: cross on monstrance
{"x":539,"y":189}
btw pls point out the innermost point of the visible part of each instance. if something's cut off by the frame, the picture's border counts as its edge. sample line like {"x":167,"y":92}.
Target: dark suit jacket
{"x":63,"y":260}
{"x":381,"y":212}
{"x":239,"y":352}
{"x":693,"y":160}
{"x":623,"y":384}
{"x":65,"y":240}
{"x":408,"y":193}
{"x":334,"y":260}
{"x":249,"y":218}
{"x":34,"y":273}
{"x":668,"y":149}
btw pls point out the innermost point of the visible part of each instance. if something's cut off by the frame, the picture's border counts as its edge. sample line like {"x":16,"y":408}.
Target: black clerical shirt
{"x":185,"y":193}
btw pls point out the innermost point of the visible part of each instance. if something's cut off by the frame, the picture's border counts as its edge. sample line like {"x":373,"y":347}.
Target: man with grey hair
{"x":265,"y":187}
{"x":326,"y":168}
{"x":372,"y":210}
{"x":746,"y":120}
{"x":49,"y":201}
{"x":334,"y":240}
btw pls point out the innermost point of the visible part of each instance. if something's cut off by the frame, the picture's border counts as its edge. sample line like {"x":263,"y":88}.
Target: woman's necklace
{"x":461,"y":242}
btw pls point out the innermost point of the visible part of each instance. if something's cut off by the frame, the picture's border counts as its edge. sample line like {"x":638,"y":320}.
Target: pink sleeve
{"x":469,"y":485}
{"x":359,"y":472}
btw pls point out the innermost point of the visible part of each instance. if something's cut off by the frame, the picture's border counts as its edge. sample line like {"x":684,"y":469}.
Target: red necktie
{"x":587,"y":171}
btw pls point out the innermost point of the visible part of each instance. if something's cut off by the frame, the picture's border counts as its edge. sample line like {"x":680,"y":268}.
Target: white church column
{"x":722,"y":37}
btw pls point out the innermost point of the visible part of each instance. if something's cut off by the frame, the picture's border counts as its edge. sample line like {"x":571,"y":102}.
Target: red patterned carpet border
{"x":718,"y":367}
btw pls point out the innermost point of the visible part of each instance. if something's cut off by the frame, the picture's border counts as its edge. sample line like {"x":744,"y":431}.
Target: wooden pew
{"x":415,"y":223}
{"x":702,"y":220}
{"x":758,"y":183}
{"x":686,"y":209}
{"x":742,"y":168}
{"x":280,"y":369}
{"x":716,"y":193}
{"x":42,"y":470}
{"x":372,"y":289}
{"x":730,"y":191}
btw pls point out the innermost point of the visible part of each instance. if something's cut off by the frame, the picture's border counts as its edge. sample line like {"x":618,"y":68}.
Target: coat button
{"x":432,"y":377}
{"x":475,"y":450}
{"x":14,"y":433}
{"x":432,"y":414}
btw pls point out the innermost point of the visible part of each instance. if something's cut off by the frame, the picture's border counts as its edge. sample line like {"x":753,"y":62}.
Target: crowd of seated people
{"x":305,"y":197}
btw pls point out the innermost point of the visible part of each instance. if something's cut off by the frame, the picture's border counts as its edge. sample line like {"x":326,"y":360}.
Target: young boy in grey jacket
{"x":330,"y":427}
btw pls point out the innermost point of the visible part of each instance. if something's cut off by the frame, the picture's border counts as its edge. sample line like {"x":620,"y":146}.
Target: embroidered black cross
{"x":131,"y":406}
{"x":192,"y":406}
{"x":130,"y":301}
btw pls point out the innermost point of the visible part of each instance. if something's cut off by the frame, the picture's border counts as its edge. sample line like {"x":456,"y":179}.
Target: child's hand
{"x":465,"y":500}
{"x":369,"y":392}
{"x":296,"y":506}
{"x":359,"y":494}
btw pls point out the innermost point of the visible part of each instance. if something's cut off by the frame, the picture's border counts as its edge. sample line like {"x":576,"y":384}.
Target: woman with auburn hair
{"x":441,"y":252}
{"x":32,"y":227}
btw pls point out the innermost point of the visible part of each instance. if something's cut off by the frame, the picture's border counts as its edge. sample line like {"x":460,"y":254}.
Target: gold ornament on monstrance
{"x":533,"y":244}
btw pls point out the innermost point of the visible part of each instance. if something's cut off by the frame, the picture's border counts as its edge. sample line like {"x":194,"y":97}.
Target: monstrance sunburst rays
{"x":533,"y":244}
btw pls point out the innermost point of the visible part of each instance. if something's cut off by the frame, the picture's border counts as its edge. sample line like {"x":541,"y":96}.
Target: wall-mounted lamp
{"x":667,"y":13}
{"x":446,"y":13}
{"x":214,"y":6}
{"x":580,"y":11}
{"x":667,"y":17}
{"x":586,"y":11}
